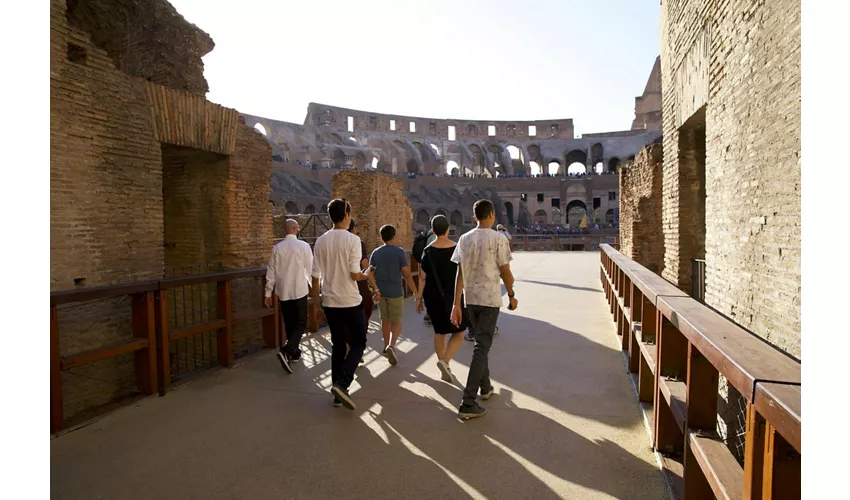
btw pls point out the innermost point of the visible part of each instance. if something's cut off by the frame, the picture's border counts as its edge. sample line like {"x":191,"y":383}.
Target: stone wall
{"x":376,"y":199}
{"x":641,"y":238}
{"x":144,"y":174}
{"x":731,"y":71}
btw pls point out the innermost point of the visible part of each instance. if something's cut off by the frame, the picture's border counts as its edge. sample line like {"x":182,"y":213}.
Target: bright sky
{"x":468,"y":59}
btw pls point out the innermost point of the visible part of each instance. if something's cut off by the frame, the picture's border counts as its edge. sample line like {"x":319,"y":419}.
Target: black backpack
{"x":419,"y":245}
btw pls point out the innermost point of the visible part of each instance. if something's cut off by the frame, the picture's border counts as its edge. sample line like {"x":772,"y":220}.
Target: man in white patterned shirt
{"x":290,"y":267}
{"x":483,"y":256}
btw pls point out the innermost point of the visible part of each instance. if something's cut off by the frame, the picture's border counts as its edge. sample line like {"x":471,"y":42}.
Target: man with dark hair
{"x":482,"y":256}
{"x":336,"y":263}
{"x":390,"y":264}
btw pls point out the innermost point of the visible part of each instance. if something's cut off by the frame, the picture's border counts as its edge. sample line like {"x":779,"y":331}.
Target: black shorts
{"x":440,"y":311}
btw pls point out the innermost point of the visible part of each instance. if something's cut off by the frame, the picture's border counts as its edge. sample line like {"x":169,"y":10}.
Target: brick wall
{"x":195,"y":213}
{"x":376,"y":199}
{"x":118,"y":196}
{"x":641,"y":238}
{"x":740,"y":61}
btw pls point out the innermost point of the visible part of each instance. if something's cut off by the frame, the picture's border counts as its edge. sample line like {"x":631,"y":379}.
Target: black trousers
{"x":294,"y":314}
{"x":482,"y":321}
{"x":340,"y":320}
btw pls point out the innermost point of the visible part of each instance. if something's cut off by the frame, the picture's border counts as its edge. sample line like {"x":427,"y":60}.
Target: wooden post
{"x":270,"y":323}
{"x":636,"y":298}
{"x":163,"y":343}
{"x":672,"y":361}
{"x":144,"y":327}
{"x":225,"y":334}
{"x":56,"y":416}
{"x":781,"y":477}
{"x":754,"y":450}
{"x":701,"y":404}
{"x":646,"y":379}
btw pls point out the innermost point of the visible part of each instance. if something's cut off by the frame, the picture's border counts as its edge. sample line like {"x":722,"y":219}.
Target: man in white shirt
{"x":483,"y":256}
{"x":336,"y":263}
{"x":288,"y":273}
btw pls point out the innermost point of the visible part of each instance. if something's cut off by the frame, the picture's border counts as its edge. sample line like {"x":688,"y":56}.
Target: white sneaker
{"x":391,"y":356}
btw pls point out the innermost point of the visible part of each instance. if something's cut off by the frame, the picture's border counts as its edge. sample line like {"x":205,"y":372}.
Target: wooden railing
{"x":678,"y":347}
{"x":151,"y":334}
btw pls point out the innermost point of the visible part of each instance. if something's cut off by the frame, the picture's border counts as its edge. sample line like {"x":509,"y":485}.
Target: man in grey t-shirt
{"x":483,"y":257}
{"x":391,"y":265}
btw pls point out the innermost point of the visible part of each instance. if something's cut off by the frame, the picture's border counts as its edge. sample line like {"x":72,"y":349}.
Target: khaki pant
{"x":392,"y":309}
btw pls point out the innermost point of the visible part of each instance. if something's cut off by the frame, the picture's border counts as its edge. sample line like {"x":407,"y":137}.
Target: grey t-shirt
{"x":388,"y":261}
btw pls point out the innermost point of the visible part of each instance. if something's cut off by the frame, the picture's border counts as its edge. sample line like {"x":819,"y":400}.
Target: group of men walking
{"x":458,"y":285}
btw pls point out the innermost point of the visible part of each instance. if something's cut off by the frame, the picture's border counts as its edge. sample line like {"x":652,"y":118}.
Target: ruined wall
{"x":735,"y":67}
{"x":376,"y":199}
{"x":249,"y":214}
{"x":148,"y":39}
{"x":113,"y":205}
{"x":641,"y":238}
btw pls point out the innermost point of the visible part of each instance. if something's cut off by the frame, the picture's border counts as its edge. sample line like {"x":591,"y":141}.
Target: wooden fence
{"x":151,"y":334}
{"x":678,"y":347}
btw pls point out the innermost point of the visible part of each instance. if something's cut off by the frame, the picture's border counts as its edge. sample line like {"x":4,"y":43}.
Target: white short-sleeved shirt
{"x":336,"y":255}
{"x":480,"y":253}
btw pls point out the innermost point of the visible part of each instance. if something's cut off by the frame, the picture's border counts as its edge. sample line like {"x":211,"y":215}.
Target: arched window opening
{"x":577,"y":169}
{"x":423,"y":218}
{"x":261,"y":129}
{"x":452,"y":167}
{"x":554,"y":167}
{"x":291,"y":207}
{"x":509,"y":210}
{"x":515,"y":152}
{"x":375,"y":162}
{"x":540,"y":216}
{"x":598,"y":168}
{"x":534,"y":168}
{"x":576,"y":213}
{"x":435,"y":148}
{"x":310,"y":209}
{"x":613,"y":163}
{"x":456,"y":218}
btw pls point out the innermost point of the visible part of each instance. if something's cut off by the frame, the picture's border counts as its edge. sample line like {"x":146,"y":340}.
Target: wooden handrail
{"x":151,"y":334}
{"x":679,"y":347}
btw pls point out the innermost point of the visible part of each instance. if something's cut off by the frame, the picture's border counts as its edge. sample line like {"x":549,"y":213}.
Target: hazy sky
{"x":473,"y":59}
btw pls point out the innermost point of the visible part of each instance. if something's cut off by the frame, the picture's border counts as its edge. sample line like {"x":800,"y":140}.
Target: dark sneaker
{"x":293,"y":359}
{"x":486,"y":393}
{"x":468,"y":336}
{"x":284,"y":361}
{"x":391,"y":356}
{"x":445,"y":371}
{"x":473,"y":411}
{"x":337,"y":402}
{"x":342,"y":395}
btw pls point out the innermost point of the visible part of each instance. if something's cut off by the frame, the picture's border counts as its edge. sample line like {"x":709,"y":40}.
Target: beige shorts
{"x":392,"y":310}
